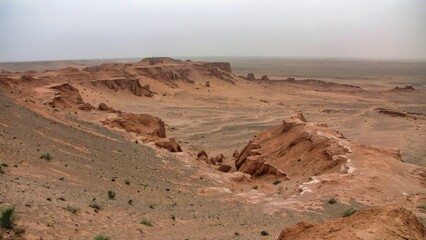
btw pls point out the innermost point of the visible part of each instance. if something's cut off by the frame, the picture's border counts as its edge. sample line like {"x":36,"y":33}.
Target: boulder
{"x":224,"y":168}
{"x":202,"y":156}
{"x":169,"y":144}
{"x":219,"y":158}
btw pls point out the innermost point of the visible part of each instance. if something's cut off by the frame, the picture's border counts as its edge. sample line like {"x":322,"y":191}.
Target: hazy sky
{"x":80,"y":29}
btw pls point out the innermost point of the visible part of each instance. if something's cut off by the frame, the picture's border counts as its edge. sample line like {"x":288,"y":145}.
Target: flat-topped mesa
{"x":294,"y":149}
{"x":225,"y":66}
{"x":321,"y":83}
{"x":161,"y":60}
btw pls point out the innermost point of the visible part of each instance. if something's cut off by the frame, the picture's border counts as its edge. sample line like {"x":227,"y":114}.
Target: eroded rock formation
{"x":388,"y":222}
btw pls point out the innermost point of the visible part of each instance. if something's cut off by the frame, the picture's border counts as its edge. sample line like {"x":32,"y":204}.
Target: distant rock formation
{"x":225,"y":66}
{"x":132,"y":85}
{"x":265,"y":77}
{"x":388,"y":222}
{"x":404,"y":89}
{"x":250,"y":76}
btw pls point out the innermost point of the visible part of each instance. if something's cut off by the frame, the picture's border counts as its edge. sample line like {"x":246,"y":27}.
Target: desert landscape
{"x":163,"y":148}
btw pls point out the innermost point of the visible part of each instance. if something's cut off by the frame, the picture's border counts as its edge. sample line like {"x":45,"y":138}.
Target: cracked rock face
{"x":293,"y":149}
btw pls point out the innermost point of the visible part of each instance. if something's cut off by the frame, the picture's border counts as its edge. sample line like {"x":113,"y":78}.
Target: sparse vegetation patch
{"x":46,"y":156}
{"x":101,"y":237}
{"x":71,"y":209}
{"x":146,"y":222}
{"x":6,"y":218}
{"x":276,"y":182}
{"x":349,"y":212}
{"x":111,"y":195}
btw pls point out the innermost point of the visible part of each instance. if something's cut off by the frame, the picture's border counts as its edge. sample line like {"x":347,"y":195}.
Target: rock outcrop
{"x":68,"y":96}
{"x":388,"y":222}
{"x":133,"y":85}
{"x":265,"y":78}
{"x":250,"y":76}
{"x":151,"y":128}
{"x":322,"y":163}
{"x":403,"y":89}
{"x":169,"y":144}
{"x":141,"y":124}
{"x":105,"y":108}
{"x":225,"y":66}
{"x":291,"y":149}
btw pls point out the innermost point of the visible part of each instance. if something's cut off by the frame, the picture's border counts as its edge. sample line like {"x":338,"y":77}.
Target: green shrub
{"x":111,"y":194}
{"x":101,"y":237}
{"x":255,"y":187}
{"x":71,"y":209}
{"x":146,"y":222}
{"x":4,"y":165}
{"x":6,"y":217}
{"x":95,"y":206}
{"x":276,"y":182}
{"x":332,"y":201}
{"x":264,"y":233}
{"x":349,"y":212}
{"x":422,"y":206}
{"x":46,"y":156}
{"x":127,"y":182}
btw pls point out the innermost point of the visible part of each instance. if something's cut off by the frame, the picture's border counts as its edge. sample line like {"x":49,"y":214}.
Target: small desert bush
{"x":255,"y":187}
{"x":349,"y":212}
{"x":6,"y":217}
{"x":146,"y":222}
{"x":276,"y":182}
{"x":71,"y":209}
{"x":46,"y":156}
{"x":422,"y":206}
{"x":264,"y":233}
{"x":127,"y":182}
{"x":4,"y":165}
{"x":332,"y":201}
{"x":101,"y":237}
{"x":111,"y":194}
{"x":95,"y":206}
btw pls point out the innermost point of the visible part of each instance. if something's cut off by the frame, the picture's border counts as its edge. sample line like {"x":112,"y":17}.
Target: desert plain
{"x":162,"y":148}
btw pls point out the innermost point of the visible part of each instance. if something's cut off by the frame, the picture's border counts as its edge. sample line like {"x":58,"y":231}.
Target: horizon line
{"x":182,"y":57}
